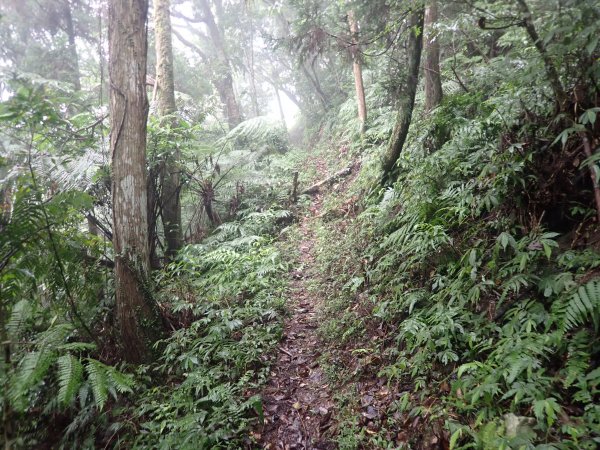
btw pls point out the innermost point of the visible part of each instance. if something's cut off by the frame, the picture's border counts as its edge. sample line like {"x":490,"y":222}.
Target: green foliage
{"x":258,"y":134}
{"x":230,"y":294}
{"x":583,"y":305}
{"x":70,"y":374}
{"x":457,"y":280}
{"x":475,"y":275}
{"x":49,"y":272}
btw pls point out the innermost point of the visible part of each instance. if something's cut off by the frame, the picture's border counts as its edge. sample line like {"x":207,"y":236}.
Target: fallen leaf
{"x":371,"y":413}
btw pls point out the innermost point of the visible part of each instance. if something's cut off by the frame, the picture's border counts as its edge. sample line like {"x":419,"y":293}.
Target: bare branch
{"x":189,"y":44}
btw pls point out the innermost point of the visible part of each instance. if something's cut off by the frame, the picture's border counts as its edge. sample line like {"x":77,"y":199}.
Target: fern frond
{"x":121,"y":382}
{"x":31,"y":370}
{"x":70,"y":376}
{"x":77,"y":347}
{"x":256,"y":129}
{"x":21,"y":312}
{"x":55,"y":336}
{"x":578,"y":361}
{"x":583,"y":304}
{"x":98,"y":380}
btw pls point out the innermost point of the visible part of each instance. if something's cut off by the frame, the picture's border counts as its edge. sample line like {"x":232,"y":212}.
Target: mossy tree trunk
{"x":127,"y":40}
{"x":407,"y":99}
{"x":433,"y":80}
{"x":166,"y":107}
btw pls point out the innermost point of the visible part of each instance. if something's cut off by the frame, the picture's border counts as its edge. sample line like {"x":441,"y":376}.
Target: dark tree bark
{"x":407,"y":100}
{"x":166,"y":106}
{"x":357,"y":69}
{"x":433,"y":81}
{"x":208,"y":197}
{"x":127,"y":40}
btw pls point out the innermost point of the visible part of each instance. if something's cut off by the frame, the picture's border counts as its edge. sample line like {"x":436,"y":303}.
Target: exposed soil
{"x":297,"y":400}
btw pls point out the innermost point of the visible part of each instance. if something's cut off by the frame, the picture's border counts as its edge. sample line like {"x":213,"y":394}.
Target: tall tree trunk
{"x":407,"y":100}
{"x":433,"y":81}
{"x":224,"y":82}
{"x":72,"y":46}
{"x":357,"y":69}
{"x":165,"y":99}
{"x":127,"y":42}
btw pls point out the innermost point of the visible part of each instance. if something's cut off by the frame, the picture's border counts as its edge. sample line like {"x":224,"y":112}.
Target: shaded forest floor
{"x":322,"y":393}
{"x":297,"y":400}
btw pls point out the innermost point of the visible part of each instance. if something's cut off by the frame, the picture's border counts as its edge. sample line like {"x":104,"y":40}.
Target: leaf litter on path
{"x":297,"y":400}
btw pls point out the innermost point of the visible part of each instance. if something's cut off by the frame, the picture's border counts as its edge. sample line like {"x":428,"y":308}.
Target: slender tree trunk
{"x":252,"y":72}
{"x":316,"y":85}
{"x":154,"y":212}
{"x":7,"y":420}
{"x":165,"y":99}
{"x":72,"y":47}
{"x":289,"y":94}
{"x":6,"y":196}
{"x":589,"y":153}
{"x":208,"y":195}
{"x":127,"y":41}
{"x":560,"y":96}
{"x":357,"y":69}
{"x":280,"y":106}
{"x":407,"y":100}
{"x":433,"y":81}
{"x":224,"y":82}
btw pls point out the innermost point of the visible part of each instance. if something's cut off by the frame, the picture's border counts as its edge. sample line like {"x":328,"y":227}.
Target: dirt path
{"x":297,"y":400}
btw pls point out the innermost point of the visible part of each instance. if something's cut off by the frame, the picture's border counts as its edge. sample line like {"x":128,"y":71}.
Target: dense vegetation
{"x":457,"y":251}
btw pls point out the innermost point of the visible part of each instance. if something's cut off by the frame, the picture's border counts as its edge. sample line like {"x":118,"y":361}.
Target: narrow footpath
{"x":297,"y":400}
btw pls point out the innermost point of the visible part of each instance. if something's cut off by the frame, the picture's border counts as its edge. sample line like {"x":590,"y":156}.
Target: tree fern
{"x":583,"y":304}
{"x":70,"y":376}
{"x":257,"y":129}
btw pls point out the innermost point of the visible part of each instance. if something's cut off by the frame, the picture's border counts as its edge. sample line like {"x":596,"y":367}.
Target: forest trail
{"x":297,"y":400}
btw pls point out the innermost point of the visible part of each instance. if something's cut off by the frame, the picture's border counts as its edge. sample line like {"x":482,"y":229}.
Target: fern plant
{"x":583,"y":305}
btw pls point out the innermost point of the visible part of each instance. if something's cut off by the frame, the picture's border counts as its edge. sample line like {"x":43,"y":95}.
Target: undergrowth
{"x":226,"y":298}
{"x":478,"y":312}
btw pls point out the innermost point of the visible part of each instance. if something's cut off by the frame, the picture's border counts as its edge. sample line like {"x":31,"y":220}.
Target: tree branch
{"x":186,"y":18}
{"x":189,"y":44}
